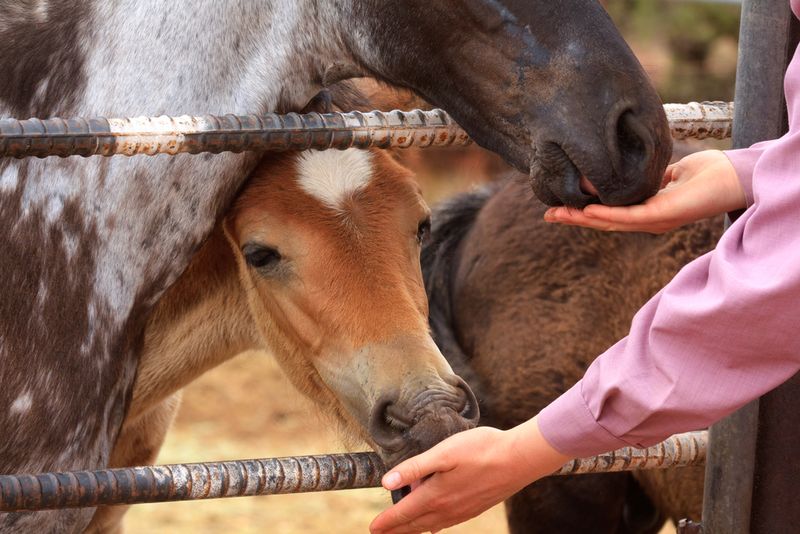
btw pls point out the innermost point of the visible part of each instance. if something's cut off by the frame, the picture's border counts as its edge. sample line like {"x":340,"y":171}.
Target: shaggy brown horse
{"x":520,"y":308}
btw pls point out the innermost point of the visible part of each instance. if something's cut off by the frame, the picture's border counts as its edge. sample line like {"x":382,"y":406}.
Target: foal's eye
{"x":260,"y":256}
{"x":423,"y":229}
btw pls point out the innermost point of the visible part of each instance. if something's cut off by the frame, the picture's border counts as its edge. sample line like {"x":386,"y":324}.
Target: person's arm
{"x":744,"y":161}
{"x":722,"y":333}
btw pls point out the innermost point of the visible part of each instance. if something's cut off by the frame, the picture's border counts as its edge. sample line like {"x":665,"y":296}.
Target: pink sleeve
{"x":744,"y":161}
{"x":724,"y":331}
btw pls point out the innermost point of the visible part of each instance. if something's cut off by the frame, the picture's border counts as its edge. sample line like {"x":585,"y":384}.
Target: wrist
{"x":532,"y":453}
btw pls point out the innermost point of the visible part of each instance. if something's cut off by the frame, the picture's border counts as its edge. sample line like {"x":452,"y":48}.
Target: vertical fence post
{"x":752,"y":471}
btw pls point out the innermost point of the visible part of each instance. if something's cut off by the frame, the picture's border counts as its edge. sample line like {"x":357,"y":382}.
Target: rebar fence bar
{"x":273,"y":132}
{"x":274,"y":476}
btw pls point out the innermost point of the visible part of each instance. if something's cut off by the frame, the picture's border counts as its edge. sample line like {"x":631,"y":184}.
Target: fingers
{"x":424,"y":510}
{"x":432,"y":522}
{"x":646,"y":217}
{"x":408,"y":514}
{"x":417,"y":468}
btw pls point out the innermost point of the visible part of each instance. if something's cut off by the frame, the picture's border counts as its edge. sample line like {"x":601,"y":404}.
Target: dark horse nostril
{"x":631,"y":146}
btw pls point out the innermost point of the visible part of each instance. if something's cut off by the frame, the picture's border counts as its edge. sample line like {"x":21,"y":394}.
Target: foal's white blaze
{"x":332,"y":176}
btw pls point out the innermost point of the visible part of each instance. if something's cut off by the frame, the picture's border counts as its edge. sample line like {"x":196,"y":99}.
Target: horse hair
{"x":451,"y":221}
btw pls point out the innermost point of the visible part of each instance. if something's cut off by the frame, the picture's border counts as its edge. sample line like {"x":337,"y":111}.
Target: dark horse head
{"x":568,"y":99}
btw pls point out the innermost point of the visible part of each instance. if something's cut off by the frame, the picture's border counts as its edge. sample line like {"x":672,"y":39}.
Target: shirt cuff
{"x":569,"y":427}
{"x":744,"y":161}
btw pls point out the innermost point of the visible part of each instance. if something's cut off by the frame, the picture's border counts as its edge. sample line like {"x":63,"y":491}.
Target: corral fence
{"x":272,"y":132}
{"x":753,"y":466}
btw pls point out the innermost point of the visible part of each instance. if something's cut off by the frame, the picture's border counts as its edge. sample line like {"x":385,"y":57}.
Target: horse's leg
{"x":579,"y":504}
{"x":138,"y":444}
{"x":613,"y":509}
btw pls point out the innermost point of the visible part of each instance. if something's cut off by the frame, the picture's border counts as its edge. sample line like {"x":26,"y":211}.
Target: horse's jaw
{"x":402,"y":394}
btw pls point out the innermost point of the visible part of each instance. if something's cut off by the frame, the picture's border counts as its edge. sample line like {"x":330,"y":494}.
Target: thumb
{"x":416,"y":468}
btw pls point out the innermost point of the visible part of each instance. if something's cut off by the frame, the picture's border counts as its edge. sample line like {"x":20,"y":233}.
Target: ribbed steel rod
{"x":680,"y":450}
{"x":700,"y":120}
{"x":229,"y":133}
{"x":234,"y":133}
{"x":182,"y":482}
{"x":273,"y":476}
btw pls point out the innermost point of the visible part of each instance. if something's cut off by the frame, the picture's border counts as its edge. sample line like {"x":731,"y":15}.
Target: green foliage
{"x":698,"y":38}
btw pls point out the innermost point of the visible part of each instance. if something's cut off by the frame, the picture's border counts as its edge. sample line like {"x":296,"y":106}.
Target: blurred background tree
{"x":689,"y":48}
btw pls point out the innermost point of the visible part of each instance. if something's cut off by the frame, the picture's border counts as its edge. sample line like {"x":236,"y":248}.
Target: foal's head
{"x":328,"y":248}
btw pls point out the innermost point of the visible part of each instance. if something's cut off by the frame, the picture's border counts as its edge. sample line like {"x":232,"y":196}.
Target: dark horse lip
{"x":398,"y":494}
{"x":556,"y":179}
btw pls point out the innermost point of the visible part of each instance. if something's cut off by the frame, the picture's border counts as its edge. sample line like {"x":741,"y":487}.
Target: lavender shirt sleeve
{"x":744,"y":161}
{"x":724,"y":331}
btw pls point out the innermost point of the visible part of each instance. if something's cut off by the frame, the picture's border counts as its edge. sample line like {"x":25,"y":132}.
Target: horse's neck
{"x":149,"y":58}
{"x":200,"y":322}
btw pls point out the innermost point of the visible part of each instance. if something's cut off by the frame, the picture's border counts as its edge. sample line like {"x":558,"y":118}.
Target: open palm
{"x":699,"y":186}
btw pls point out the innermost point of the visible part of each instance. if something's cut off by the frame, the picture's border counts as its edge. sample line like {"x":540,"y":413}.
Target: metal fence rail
{"x":233,"y":133}
{"x":272,"y":476}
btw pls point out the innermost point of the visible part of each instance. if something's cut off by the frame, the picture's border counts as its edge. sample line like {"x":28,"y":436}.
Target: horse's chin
{"x":557,"y":181}
{"x":422,"y":437}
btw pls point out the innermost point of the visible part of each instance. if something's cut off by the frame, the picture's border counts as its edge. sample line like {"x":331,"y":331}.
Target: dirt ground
{"x":246,"y":409}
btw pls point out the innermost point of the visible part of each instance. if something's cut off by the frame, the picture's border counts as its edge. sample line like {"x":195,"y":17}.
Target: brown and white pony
{"x":318,"y":263}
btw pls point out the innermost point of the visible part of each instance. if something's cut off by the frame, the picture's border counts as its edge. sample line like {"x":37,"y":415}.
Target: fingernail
{"x":392,"y":480}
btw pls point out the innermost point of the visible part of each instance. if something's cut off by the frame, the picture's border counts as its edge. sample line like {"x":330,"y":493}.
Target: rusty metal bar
{"x":274,"y":476}
{"x":234,"y":133}
{"x":700,"y":120}
{"x":229,"y":133}
{"x":182,"y":482}
{"x":680,"y":450}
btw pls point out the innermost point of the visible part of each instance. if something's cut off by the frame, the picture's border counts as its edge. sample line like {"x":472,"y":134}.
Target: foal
{"x":317,"y":262}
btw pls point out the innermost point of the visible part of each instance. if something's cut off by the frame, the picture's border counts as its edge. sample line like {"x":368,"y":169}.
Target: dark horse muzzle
{"x":557,"y":93}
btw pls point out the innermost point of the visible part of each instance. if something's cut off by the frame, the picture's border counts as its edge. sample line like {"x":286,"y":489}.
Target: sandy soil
{"x":246,"y":409}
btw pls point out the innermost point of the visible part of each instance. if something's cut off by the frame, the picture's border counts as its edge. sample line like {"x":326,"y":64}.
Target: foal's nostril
{"x":631,"y":146}
{"x":386,"y":425}
{"x":470,"y":410}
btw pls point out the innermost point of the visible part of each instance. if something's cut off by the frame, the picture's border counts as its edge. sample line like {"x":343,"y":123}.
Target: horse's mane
{"x":342,"y":96}
{"x":451,"y":221}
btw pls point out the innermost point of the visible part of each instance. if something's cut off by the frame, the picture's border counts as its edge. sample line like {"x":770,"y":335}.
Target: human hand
{"x":469,"y":473}
{"x":699,"y":186}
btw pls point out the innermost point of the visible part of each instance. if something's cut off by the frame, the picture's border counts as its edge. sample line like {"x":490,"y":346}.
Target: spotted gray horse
{"x":89,"y":244}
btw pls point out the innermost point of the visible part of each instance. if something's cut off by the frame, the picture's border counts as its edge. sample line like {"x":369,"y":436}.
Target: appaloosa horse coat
{"x":89,"y":244}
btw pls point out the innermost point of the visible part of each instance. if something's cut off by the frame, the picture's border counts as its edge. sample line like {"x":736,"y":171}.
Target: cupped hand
{"x":467,"y":474}
{"x":699,"y":186}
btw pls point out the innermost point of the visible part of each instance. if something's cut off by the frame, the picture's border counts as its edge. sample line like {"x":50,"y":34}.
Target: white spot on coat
{"x":9,"y":179}
{"x":21,"y":404}
{"x":332,"y":176}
